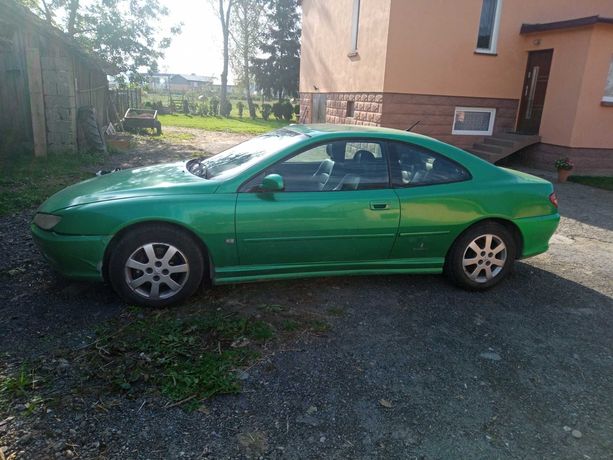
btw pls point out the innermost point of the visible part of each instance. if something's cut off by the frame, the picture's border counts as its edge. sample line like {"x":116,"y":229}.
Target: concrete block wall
{"x":60,"y":104}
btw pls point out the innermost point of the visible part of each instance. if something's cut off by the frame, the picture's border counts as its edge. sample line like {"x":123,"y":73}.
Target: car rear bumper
{"x":78,"y":257}
{"x":536,"y":232}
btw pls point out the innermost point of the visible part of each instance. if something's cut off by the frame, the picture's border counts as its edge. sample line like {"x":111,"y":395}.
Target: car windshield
{"x":242,"y":156}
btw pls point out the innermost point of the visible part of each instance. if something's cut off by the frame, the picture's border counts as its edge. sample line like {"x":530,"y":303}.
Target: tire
{"x":158,"y":128}
{"x":156,"y":266}
{"x":481,"y":257}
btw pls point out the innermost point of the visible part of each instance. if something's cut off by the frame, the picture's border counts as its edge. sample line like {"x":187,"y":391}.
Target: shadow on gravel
{"x":410,"y":367}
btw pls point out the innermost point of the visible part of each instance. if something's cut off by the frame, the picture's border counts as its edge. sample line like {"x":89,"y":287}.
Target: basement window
{"x":475,"y":121}
{"x":489,"y":25}
{"x":350,"y":109}
{"x":607,"y":99}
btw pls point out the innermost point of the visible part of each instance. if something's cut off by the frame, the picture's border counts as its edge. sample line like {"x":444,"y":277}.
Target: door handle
{"x":379,"y":205}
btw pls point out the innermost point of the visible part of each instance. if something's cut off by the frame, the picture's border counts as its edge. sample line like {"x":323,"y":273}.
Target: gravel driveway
{"x":410,"y":368}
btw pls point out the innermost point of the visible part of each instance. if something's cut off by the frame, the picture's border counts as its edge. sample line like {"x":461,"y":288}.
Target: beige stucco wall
{"x":432,"y":42}
{"x":594,"y":122}
{"x":427,"y":47}
{"x":326,"y":40}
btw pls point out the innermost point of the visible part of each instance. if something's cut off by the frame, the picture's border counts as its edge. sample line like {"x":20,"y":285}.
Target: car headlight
{"x":46,"y":221}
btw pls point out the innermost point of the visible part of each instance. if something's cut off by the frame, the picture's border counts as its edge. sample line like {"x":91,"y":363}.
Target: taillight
{"x":554,"y":199}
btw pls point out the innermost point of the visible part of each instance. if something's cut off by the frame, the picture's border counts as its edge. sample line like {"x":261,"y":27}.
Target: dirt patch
{"x":392,"y":366}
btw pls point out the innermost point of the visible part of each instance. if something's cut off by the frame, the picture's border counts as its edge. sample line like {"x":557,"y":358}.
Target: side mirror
{"x":272,"y":183}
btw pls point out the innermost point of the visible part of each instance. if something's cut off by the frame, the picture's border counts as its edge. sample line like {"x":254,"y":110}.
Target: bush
{"x":214,"y":106}
{"x":287,"y":110}
{"x":256,"y":108}
{"x":266,"y":111}
{"x":277,"y":110}
{"x":240,"y":106}
{"x":203,"y":109}
{"x":297,"y":111}
{"x":226,"y":110}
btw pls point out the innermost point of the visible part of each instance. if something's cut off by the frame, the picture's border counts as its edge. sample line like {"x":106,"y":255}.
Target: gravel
{"x":411,"y":368}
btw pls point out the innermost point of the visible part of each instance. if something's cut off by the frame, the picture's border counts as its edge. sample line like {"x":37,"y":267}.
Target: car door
{"x":337,"y":207}
{"x":433,"y":199}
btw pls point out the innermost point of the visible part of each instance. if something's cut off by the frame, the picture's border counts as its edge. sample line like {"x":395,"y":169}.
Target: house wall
{"x":431,"y":46}
{"x":594,"y":121}
{"x":326,"y":41}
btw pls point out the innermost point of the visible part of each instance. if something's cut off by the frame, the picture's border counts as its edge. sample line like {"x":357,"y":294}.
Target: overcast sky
{"x":198,"y":49}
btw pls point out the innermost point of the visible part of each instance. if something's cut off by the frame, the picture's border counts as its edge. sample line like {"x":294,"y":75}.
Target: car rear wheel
{"x":481,"y":257}
{"x":156,"y":266}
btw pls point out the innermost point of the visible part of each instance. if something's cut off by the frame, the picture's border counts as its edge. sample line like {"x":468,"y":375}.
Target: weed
{"x":26,"y":181}
{"x":190,"y":357}
{"x":336,"y":311}
{"x":20,"y":386}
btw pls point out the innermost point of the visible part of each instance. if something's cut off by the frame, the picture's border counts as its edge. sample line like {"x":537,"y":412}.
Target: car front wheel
{"x":481,"y":257}
{"x":156,"y":266}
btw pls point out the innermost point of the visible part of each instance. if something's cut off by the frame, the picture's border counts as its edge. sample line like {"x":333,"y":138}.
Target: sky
{"x":198,"y":49}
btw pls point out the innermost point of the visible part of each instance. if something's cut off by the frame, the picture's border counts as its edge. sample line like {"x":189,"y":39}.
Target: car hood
{"x":163,"y":179}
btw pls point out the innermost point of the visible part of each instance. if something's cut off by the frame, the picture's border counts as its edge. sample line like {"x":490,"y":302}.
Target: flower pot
{"x":563,"y":174}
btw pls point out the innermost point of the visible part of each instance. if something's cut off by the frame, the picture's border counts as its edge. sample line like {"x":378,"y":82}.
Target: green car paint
{"x":252,"y":235}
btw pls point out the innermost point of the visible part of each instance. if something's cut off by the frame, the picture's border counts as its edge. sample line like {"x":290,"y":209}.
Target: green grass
{"x":604,"y":182}
{"x":190,"y":358}
{"x":26,"y":181}
{"x":232,"y":125}
{"x":21,"y":385}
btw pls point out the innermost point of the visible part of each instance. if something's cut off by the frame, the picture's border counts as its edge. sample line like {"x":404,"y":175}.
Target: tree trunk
{"x":72,"y":17}
{"x":225,"y":27}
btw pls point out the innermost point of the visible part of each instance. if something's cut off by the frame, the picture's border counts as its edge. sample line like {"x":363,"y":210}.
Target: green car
{"x":302,"y":201}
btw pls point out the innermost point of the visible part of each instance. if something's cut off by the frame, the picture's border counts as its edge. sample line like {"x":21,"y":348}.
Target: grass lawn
{"x":232,"y":125}
{"x":604,"y":182}
{"x":26,"y":181}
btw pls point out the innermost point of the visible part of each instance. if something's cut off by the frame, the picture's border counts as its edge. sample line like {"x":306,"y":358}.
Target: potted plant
{"x":564,"y":167}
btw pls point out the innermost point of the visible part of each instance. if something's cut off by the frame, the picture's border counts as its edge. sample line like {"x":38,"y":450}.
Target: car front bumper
{"x":74,"y":256}
{"x":536,"y":232}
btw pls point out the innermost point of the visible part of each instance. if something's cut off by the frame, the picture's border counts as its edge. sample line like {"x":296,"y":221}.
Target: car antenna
{"x":413,"y":125}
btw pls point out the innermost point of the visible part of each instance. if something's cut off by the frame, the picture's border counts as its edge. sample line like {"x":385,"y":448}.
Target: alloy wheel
{"x":484,"y":258}
{"x":156,"y":271}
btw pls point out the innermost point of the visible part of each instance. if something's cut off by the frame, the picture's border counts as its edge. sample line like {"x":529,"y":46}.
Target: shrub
{"x":226,"y":110}
{"x":297,"y":111}
{"x":266,"y":111}
{"x":256,"y":109}
{"x":240,"y":106}
{"x":203,"y":109}
{"x":277,"y":110}
{"x":287,"y":110}
{"x":214,"y":106}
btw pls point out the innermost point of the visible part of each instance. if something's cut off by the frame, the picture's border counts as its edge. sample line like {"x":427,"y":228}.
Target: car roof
{"x":316,"y":130}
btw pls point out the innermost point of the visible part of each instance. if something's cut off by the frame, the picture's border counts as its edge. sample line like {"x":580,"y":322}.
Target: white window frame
{"x":355,"y":26}
{"x":605,"y":98}
{"x":494,"y":45}
{"x":462,"y":132}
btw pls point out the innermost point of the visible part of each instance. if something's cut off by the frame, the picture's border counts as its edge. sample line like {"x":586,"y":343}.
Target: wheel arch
{"x":508,"y":224}
{"x":202,"y":246}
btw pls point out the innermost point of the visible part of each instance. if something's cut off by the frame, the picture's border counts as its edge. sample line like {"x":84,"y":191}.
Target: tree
{"x":122,"y":33}
{"x":246,"y":32}
{"x":223,"y":9}
{"x":277,"y":73}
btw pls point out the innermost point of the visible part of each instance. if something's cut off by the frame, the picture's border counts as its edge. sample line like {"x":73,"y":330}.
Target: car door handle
{"x":379,"y":205}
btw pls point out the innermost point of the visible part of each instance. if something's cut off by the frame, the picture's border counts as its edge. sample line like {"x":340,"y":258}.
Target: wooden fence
{"x":122,"y":100}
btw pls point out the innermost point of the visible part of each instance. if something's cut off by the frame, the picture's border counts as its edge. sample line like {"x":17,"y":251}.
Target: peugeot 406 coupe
{"x":302,"y":201}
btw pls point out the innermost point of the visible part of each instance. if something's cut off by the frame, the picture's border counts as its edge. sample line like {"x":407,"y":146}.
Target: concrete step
{"x":485,"y":155}
{"x":519,"y":137}
{"x":489,"y":147}
{"x":499,"y":141}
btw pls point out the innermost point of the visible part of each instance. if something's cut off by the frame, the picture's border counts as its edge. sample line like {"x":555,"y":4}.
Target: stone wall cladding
{"x":368,"y":108}
{"x":435,"y":115}
{"x":543,"y":156}
{"x":400,"y":111}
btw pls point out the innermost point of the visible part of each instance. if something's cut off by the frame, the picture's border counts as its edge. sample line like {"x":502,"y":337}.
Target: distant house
{"x":470,"y":71}
{"x":45,"y":77}
{"x":182,"y":82}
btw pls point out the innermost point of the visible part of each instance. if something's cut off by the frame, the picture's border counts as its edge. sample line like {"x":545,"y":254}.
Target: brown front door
{"x":535,"y":88}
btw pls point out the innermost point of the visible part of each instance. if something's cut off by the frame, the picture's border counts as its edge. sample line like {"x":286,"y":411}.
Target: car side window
{"x":413,"y":165}
{"x":335,"y":166}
